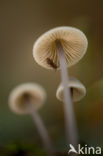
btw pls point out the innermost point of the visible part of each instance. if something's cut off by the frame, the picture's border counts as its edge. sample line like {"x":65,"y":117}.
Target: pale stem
{"x":41,"y":128}
{"x":71,"y":128}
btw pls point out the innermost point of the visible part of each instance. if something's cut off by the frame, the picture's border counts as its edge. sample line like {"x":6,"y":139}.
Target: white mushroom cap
{"x":73,"y":41}
{"x":34,"y":91}
{"x":78,"y":90}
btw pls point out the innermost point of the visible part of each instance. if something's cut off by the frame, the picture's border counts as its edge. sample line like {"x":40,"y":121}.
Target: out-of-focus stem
{"x":40,"y":127}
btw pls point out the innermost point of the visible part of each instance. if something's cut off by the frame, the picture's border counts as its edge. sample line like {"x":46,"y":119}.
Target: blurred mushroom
{"x":27,"y":99}
{"x":59,"y":48}
{"x":77,"y":88}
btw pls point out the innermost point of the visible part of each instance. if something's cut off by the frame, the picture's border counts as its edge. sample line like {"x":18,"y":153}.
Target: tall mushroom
{"x":27,"y":99}
{"x":78,"y":90}
{"x":59,"y":48}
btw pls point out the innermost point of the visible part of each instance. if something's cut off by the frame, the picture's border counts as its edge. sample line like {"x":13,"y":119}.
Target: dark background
{"x":21,"y":22}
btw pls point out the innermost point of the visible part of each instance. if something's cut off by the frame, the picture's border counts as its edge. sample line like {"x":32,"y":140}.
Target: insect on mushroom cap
{"x":17,"y":101}
{"x":78,"y":90}
{"x":73,"y":41}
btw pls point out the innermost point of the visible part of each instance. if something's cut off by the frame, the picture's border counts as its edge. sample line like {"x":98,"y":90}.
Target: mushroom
{"x":27,"y":99}
{"x":78,"y":90}
{"x":59,"y":48}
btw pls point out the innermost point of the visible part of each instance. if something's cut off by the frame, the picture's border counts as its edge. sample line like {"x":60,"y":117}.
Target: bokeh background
{"x":21,"y":23}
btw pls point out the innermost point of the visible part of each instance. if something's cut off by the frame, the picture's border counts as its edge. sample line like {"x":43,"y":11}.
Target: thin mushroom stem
{"x":41,"y":128}
{"x":71,"y":128}
{"x":43,"y":133}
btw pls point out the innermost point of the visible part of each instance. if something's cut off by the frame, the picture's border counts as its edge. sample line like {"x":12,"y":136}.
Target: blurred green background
{"x":21,"y":23}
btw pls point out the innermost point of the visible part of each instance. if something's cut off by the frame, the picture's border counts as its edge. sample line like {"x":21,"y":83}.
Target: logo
{"x":85,"y":150}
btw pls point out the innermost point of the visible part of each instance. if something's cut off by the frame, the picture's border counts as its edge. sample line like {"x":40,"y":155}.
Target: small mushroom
{"x":78,"y":90}
{"x":73,"y":41}
{"x":59,"y":48}
{"x":27,"y":99}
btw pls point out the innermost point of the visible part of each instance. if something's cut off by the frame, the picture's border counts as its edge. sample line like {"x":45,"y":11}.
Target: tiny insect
{"x":51,"y":63}
{"x":71,"y":90}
